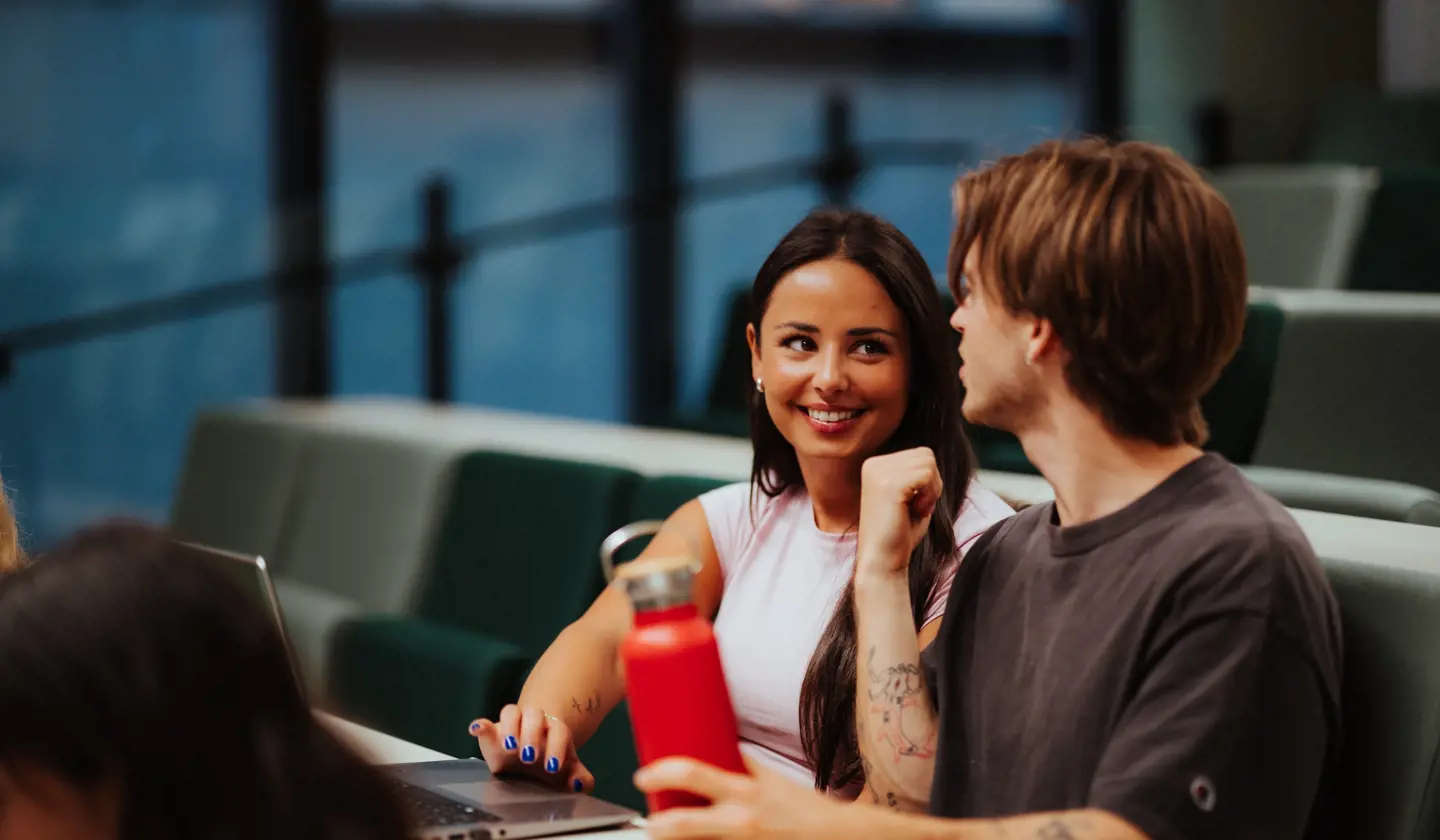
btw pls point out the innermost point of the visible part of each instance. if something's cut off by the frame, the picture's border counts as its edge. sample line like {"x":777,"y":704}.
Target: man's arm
{"x":1059,"y":825}
{"x":766,"y":806}
{"x":896,"y":724}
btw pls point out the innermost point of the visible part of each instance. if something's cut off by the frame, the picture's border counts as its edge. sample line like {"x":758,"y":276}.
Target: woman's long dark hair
{"x":123,"y":661}
{"x":932,"y":418}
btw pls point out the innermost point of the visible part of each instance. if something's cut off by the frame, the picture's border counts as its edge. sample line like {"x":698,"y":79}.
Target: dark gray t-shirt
{"x":1176,"y":663}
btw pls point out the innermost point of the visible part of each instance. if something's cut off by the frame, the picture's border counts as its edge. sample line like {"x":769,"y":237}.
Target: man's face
{"x":1001,"y":390}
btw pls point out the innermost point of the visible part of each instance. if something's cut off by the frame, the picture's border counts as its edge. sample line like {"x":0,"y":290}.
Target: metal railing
{"x":437,"y":259}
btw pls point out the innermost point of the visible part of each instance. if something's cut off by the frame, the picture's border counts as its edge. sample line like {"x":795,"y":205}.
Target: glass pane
{"x":133,"y":165}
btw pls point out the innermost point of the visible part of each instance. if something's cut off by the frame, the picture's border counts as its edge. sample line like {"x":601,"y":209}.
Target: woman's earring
{"x":759,"y":385}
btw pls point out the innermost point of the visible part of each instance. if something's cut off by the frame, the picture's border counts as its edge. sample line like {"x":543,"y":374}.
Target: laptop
{"x":446,"y":800}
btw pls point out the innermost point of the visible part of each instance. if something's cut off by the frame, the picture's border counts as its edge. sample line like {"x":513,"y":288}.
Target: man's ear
{"x":1040,"y":340}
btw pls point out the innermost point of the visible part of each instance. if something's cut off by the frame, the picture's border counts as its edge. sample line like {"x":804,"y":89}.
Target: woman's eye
{"x":799,"y":342}
{"x":872,"y":348}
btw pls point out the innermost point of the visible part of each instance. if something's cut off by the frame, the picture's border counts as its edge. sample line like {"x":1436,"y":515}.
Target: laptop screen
{"x":252,"y":576}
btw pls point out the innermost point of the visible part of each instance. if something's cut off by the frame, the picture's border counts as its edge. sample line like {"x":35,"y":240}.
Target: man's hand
{"x":764,"y":805}
{"x":898,"y":493}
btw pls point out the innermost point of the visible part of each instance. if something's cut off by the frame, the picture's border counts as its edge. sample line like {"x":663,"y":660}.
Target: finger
{"x":487,"y":734}
{"x":927,"y":491}
{"x":557,"y":747}
{"x":763,"y":775}
{"x":509,"y":724}
{"x":712,"y":823}
{"x":532,"y":734}
{"x":689,"y":775}
{"x":581,"y":780}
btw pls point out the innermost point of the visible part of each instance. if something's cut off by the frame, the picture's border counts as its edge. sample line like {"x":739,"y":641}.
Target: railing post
{"x":299,"y":141}
{"x":840,"y":166}
{"x":437,"y":263}
{"x":649,"y":38}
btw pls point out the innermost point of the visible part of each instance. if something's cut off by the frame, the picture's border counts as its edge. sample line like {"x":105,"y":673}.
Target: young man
{"x":1156,"y":654}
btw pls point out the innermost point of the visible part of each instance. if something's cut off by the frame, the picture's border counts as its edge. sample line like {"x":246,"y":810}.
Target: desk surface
{"x":386,"y":749}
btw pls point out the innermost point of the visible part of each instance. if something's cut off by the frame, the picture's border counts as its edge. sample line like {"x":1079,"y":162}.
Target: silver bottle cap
{"x":658,"y":583}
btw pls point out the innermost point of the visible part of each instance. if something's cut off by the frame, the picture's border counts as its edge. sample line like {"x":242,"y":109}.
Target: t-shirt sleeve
{"x":728,"y":516}
{"x":1225,"y":737}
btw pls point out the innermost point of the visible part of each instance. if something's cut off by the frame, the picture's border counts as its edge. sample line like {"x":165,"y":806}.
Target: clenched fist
{"x":898,"y":494}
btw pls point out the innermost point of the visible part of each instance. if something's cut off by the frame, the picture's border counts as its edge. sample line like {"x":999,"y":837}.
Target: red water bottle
{"x":679,"y":702}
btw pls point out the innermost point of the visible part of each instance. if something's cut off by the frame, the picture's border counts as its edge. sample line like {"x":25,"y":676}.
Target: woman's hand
{"x":898,"y":494}
{"x":529,"y":742}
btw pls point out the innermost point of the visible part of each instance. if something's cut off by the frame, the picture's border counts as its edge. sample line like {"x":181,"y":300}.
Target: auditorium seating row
{"x":1338,"y":384}
{"x":1359,"y":211}
{"x":425,"y":557}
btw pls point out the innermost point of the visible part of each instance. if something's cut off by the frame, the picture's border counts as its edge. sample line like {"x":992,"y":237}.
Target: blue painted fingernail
{"x":509,"y":742}
{"x":475,"y":727}
{"x":552,"y":764}
{"x":527,"y":755}
{"x":578,"y":785}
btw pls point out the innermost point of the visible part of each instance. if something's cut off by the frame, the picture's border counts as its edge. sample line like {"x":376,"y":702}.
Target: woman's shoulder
{"x":736,"y":513}
{"x":982,"y":508}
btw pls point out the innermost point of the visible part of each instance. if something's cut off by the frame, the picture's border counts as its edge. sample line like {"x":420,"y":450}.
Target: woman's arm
{"x":579,"y":679}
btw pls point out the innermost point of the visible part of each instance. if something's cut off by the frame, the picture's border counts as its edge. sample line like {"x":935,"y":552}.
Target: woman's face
{"x":36,"y":804}
{"x":832,"y":353}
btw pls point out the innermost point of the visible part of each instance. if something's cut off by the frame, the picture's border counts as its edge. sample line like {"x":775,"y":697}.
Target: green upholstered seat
{"x":422,"y":681}
{"x":517,"y":552}
{"x":1386,"y":578}
{"x":1354,"y":390}
{"x":515,"y":561}
{"x":1379,"y":130}
{"x":1235,"y":406}
{"x":1399,"y":250}
{"x":360,"y":532}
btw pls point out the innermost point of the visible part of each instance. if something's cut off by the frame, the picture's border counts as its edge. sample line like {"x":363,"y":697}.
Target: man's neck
{"x":1093,"y":471}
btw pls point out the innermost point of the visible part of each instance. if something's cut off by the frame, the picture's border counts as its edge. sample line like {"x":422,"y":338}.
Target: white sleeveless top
{"x":783,"y":577}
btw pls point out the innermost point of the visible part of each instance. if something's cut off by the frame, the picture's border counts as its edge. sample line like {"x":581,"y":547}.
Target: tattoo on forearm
{"x":872,"y":780}
{"x":899,"y":699}
{"x":592,"y":704}
{"x":1059,"y":829}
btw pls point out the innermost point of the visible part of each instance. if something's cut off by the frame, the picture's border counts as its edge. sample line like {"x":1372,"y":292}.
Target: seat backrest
{"x":1398,"y":250}
{"x":1234,"y":408}
{"x":516,"y":558}
{"x":365,"y":515}
{"x":1386,"y":578}
{"x":1379,"y":129}
{"x":1299,"y":223}
{"x":1354,"y":390}
{"x":1372,"y":498}
{"x":238,"y":481}
{"x":656,"y":498}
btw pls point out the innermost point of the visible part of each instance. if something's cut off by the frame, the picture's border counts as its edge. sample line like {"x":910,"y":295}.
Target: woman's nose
{"x":831,"y":375}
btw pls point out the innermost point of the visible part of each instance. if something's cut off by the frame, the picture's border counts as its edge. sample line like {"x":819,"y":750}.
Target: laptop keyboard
{"x":428,"y":809}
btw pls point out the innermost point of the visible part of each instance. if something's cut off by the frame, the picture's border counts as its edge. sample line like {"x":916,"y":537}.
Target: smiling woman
{"x":851,"y":358}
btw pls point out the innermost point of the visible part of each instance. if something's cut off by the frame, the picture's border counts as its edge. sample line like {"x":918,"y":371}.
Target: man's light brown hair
{"x":1131,"y":256}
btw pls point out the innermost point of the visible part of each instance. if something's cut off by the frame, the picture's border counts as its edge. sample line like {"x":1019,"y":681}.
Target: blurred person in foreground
{"x":1156,"y":653}
{"x":11,"y":556}
{"x":144,"y":696}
